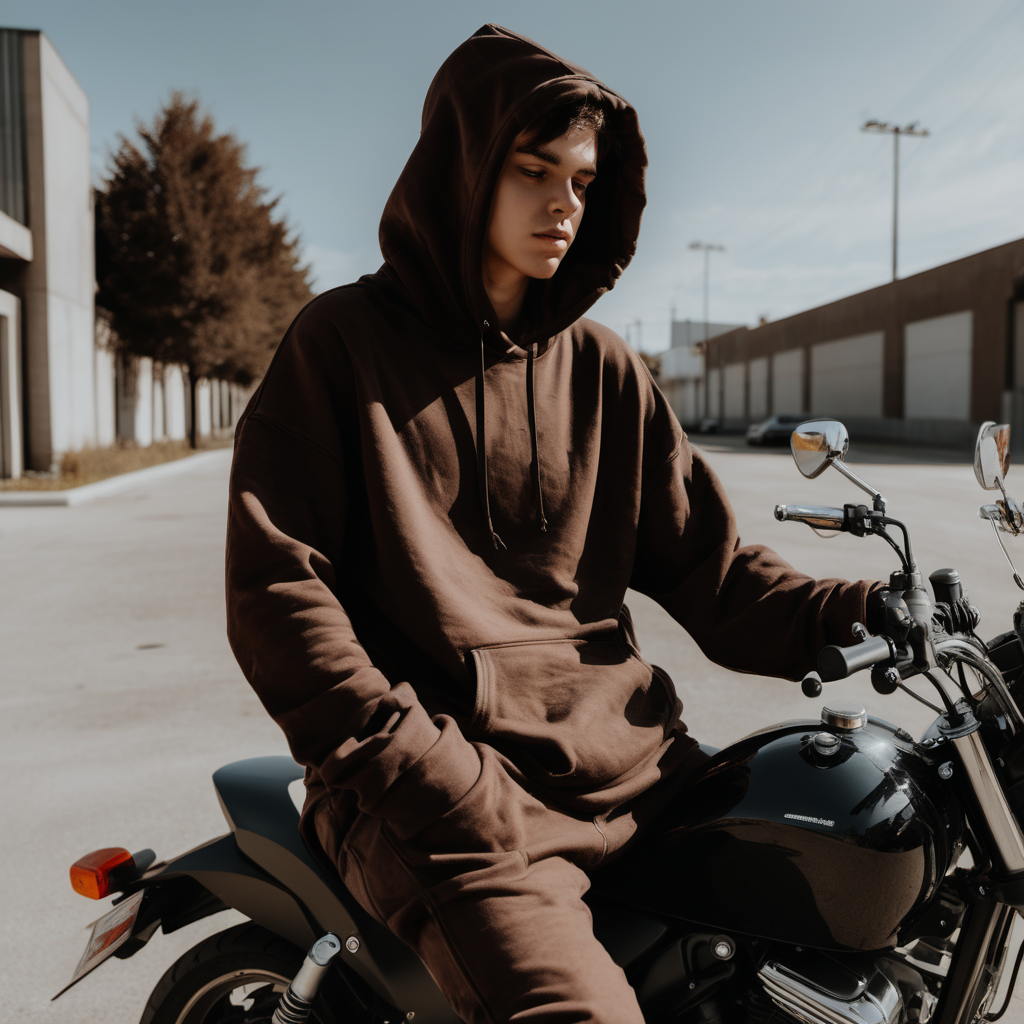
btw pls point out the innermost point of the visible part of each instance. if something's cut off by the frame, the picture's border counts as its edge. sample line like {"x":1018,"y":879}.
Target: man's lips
{"x":555,"y":236}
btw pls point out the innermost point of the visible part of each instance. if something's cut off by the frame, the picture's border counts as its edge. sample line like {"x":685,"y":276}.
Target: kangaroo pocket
{"x":571,"y":713}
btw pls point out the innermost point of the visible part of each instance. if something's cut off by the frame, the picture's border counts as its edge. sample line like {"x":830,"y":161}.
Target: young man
{"x":441,"y":492}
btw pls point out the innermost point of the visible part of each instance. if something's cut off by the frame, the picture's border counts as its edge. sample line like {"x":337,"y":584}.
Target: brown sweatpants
{"x":490,"y":898}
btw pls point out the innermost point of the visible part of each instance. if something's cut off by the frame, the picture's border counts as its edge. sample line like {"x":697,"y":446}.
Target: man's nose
{"x":565,"y":201}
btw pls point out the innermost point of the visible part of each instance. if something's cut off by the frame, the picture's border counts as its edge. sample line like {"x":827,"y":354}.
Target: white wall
{"x":937,"y":368}
{"x":103,"y":375}
{"x":143,"y":428}
{"x":685,"y":406}
{"x":68,"y":253}
{"x":680,"y":362}
{"x":714,"y":392}
{"x":10,"y":386}
{"x":846,"y":376}
{"x":153,"y":402}
{"x":788,"y":381}
{"x":757,"y":379}
{"x":159,"y":428}
{"x":203,"y":420}
{"x":174,"y":402}
{"x":735,"y":385}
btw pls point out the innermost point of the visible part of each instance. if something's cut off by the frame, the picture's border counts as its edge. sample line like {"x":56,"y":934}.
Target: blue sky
{"x":751,"y":109}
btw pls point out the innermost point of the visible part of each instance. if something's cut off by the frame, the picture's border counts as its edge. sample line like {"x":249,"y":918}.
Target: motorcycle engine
{"x":819,"y":988}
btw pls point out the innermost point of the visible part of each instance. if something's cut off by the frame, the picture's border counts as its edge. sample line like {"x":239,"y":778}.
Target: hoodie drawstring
{"x":481,"y":444}
{"x":531,"y":411}
{"x":481,"y":448}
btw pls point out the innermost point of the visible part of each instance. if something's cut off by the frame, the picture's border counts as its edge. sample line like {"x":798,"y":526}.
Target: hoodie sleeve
{"x":287,"y":515}
{"x":747,"y":608}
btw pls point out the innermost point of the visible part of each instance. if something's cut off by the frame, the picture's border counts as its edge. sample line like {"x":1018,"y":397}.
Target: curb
{"x":112,"y":485}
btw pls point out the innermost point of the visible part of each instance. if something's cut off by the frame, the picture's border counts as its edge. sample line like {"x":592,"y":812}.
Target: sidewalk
{"x":112,"y":485}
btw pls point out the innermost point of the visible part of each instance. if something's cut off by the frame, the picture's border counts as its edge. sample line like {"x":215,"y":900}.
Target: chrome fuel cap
{"x":825,"y":743}
{"x":844,"y":715}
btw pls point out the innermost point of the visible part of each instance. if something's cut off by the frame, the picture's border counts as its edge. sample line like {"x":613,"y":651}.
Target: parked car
{"x":709,"y":425}
{"x":774,"y":430}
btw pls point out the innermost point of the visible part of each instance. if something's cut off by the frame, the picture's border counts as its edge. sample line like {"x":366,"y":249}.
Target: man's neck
{"x":507,"y":292}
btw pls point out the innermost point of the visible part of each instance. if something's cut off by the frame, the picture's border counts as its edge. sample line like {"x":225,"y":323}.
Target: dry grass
{"x":92,"y":464}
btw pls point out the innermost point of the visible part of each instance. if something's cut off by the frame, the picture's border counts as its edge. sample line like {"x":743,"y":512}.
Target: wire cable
{"x":954,"y":715}
{"x":880,"y":532}
{"x":916,"y":696}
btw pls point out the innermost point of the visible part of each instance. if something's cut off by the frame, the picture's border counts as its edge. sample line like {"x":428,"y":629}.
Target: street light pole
{"x":895,"y":131}
{"x":707,"y":248}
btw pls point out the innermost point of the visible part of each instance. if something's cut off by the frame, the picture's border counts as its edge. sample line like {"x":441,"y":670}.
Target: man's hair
{"x":577,"y":115}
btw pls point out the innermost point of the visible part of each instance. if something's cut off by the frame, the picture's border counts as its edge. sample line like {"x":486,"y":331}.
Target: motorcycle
{"x":848,"y":873}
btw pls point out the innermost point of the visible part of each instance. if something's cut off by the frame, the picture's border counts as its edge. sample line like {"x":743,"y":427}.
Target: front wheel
{"x":234,"y":977}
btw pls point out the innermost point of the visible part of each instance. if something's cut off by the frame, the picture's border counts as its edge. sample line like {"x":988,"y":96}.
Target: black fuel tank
{"x":776,"y":840}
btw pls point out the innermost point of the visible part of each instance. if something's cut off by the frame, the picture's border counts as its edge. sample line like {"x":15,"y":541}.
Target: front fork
{"x":980,"y":951}
{"x":977,"y":963}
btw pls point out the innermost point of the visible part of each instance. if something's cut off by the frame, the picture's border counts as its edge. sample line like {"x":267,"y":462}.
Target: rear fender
{"x":169,"y":905}
{"x":226,"y":878}
{"x":205,"y":881}
{"x":265,"y":824}
{"x":217,"y":876}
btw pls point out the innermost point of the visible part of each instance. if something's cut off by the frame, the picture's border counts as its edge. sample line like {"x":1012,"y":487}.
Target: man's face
{"x":538,"y":204}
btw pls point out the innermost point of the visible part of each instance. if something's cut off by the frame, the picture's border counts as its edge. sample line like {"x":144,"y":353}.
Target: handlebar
{"x":840,"y":662}
{"x":818,"y":517}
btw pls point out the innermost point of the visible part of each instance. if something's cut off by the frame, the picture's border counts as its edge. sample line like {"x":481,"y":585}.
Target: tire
{"x":234,"y":977}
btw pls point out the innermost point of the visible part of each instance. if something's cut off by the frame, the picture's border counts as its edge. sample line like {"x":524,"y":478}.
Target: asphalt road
{"x":119,"y":696}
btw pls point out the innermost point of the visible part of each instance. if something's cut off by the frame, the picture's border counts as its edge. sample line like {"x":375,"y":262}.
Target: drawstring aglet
{"x":499,"y":544}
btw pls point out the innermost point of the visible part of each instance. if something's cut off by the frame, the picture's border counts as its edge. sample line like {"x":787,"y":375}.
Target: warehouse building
{"x":922,"y":360}
{"x":681,"y":368}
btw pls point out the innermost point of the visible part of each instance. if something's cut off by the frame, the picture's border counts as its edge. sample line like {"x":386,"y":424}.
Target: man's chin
{"x":542,"y":270}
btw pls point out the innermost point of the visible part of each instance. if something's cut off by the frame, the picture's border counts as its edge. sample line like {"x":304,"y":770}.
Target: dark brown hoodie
{"x":432,"y":531}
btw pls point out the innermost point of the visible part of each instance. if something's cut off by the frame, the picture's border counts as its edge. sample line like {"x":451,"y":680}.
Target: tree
{"x":192,"y":264}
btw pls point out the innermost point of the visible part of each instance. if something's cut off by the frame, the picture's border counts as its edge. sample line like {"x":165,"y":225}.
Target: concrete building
{"x":681,"y":368}
{"x":61,"y":387}
{"x":46,"y":254}
{"x":924,"y":359}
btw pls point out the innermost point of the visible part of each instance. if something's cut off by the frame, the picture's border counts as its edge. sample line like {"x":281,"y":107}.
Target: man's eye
{"x":532,"y":174}
{"x":580,"y":186}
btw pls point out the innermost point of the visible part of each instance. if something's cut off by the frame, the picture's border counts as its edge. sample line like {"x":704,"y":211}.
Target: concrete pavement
{"x":119,"y":695}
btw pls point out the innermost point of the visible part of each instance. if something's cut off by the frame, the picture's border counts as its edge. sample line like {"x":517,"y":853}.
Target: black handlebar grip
{"x":840,"y":662}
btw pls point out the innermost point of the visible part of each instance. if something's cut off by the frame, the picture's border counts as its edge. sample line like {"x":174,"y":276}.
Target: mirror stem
{"x":877,"y":500}
{"x":1006,"y":555}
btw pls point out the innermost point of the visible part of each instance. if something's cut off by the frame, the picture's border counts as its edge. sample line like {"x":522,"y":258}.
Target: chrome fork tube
{"x":994,"y":819}
{"x":978,"y":950}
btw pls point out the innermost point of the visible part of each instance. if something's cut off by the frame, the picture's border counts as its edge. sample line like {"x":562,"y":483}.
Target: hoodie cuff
{"x":431,"y":786}
{"x":852,"y":607}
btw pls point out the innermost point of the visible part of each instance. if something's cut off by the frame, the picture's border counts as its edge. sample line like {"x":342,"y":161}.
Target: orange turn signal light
{"x":101,"y":872}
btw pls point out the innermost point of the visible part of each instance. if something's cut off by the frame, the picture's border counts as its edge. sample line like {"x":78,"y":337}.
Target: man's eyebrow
{"x":551,"y":157}
{"x":547,"y":155}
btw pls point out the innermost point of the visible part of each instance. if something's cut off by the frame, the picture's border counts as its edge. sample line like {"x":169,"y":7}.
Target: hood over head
{"x":434,"y":225}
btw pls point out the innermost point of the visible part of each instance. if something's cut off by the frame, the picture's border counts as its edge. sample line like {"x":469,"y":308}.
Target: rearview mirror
{"x":818,"y":443}
{"x":992,"y":455}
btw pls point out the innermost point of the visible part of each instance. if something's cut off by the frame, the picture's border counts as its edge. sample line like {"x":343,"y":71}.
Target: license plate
{"x":108,"y":933}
